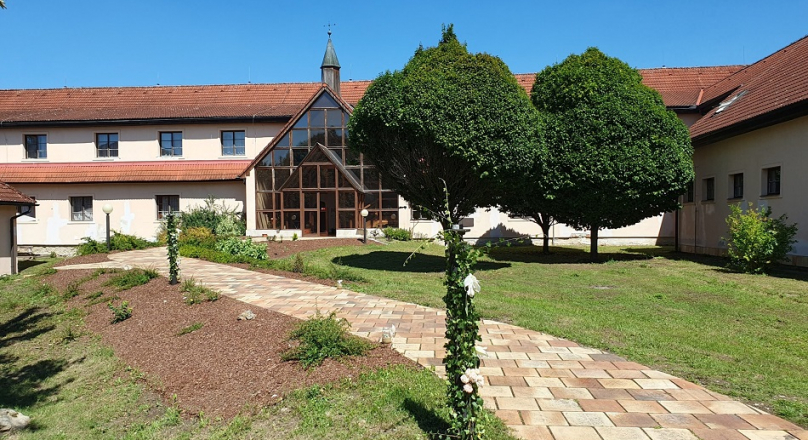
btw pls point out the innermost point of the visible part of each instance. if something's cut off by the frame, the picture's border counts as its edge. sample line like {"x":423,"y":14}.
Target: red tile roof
{"x":160,"y":102}
{"x":110,"y":172}
{"x":10,"y":196}
{"x":771,"y":91}
{"x":684,"y":86}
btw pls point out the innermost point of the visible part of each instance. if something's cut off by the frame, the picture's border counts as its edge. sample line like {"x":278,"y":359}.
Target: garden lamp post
{"x":364,"y":214}
{"x":107,"y":208}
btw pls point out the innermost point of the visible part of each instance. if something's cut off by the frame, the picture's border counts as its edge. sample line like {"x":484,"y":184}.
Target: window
{"x":36,"y":146}
{"x":31,"y":210}
{"x":166,"y":204}
{"x":106,"y":144}
{"x":233,"y":143}
{"x":420,"y":213}
{"x":171,"y":143}
{"x":690,"y":191}
{"x":81,"y":209}
{"x":772,"y":181}
{"x":708,"y":185}
{"x":737,"y":186}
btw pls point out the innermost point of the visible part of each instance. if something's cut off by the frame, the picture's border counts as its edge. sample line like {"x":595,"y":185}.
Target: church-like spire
{"x":330,"y":67}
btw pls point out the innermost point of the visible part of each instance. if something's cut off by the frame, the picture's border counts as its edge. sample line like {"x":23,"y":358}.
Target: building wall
{"x":6,"y":212}
{"x":135,"y":143}
{"x":134,"y":208}
{"x":703,"y":223}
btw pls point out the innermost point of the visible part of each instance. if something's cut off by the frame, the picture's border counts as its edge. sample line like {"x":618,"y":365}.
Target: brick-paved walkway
{"x":543,"y":387}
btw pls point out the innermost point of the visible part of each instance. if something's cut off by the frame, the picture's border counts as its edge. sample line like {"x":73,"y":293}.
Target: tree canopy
{"x":618,"y":155}
{"x":448,"y":116}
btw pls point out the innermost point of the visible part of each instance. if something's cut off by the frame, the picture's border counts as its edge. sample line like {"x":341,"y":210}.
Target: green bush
{"x":121,"y":313}
{"x":197,"y":293}
{"x":323,"y":337}
{"x":298,"y":266}
{"x":242,"y":248}
{"x":197,"y":236}
{"x":117,"y":242}
{"x":397,"y":234}
{"x":757,"y":241}
{"x":220,"y":219}
{"x":132,"y":278}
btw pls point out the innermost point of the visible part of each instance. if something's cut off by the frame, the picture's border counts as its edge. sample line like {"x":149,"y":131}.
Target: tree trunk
{"x":593,"y":245}
{"x":545,"y":222}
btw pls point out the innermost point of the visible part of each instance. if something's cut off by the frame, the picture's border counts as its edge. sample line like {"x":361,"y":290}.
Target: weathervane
{"x":329,"y":28}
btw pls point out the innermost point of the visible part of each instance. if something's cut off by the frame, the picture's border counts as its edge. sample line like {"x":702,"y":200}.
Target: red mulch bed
{"x":225,"y":367}
{"x":285,"y":248}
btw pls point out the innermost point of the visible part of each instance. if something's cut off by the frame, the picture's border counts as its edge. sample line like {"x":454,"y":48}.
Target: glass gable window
{"x":36,"y":146}
{"x":737,"y":186}
{"x":772,"y":181}
{"x":171,"y":143}
{"x":233,"y":143}
{"x":106,"y":144}
{"x":338,"y":202}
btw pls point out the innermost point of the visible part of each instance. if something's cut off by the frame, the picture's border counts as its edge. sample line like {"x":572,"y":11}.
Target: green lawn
{"x":742,"y":335}
{"x":73,"y":387}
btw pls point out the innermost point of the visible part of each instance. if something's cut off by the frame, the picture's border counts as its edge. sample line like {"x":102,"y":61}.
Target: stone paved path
{"x":543,"y":387}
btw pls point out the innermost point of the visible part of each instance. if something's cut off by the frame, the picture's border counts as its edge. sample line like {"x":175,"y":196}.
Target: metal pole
{"x":366,"y":229}
{"x":109,"y":248}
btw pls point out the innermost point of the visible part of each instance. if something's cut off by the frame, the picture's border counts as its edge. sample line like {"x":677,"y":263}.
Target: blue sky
{"x":85,"y":43}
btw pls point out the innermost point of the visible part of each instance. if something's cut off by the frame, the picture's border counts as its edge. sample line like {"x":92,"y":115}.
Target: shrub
{"x":294,"y":236}
{"x":131,"y":278}
{"x":197,"y":293}
{"x":397,"y":234}
{"x":298,"y":266}
{"x":218,"y":218}
{"x":121,"y":313}
{"x":197,"y":236}
{"x":242,"y":248}
{"x":757,"y":241}
{"x":191,"y":328}
{"x":117,"y":242}
{"x":323,"y":337}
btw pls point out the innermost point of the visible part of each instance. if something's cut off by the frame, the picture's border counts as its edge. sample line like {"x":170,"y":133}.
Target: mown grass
{"x":73,"y":387}
{"x":742,"y":335}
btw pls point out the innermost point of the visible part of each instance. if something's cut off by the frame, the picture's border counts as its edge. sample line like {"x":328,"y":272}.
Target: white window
{"x":166,"y":204}
{"x":81,"y":209}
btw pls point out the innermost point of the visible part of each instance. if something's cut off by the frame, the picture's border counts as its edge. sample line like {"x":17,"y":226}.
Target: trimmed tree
{"x":618,"y":155}
{"x":447,"y":133}
{"x":448,"y":116}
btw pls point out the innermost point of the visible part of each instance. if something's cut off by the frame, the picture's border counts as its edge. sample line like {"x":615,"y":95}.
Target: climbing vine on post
{"x":173,"y":248}
{"x":462,"y":332}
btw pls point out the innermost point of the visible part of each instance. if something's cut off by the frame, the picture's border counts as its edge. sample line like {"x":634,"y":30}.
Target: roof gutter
{"x":155,"y":121}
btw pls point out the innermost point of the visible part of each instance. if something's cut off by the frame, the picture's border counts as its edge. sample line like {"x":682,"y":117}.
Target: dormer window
{"x":723,"y":106}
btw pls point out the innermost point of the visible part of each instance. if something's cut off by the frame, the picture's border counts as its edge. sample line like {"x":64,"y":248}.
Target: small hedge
{"x":397,"y":234}
{"x":117,"y":242}
{"x":323,"y":337}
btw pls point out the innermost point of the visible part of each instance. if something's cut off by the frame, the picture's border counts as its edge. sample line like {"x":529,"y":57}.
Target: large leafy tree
{"x":448,"y":116}
{"x":449,"y":132}
{"x":617,"y":154}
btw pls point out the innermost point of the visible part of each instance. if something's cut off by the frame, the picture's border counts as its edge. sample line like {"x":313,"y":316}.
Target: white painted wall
{"x":134,"y":208}
{"x":703,"y":223}
{"x":135,"y":143}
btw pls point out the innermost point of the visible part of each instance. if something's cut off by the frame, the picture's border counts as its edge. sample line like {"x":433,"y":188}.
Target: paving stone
{"x":684,"y":407}
{"x":535,"y":392}
{"x":642,"y":406}
{"x":531,"y":432}
{"x":544,"y":382}
{"x":509,"y":416}
{"x":770,"y":422}
{"x":640,"y":420}
{"x":517,"y":403}
{"x":686,"y":421}
{"x":496,"y":391}
{"x":579,"y":418}
{"x":719,"y":434}
{"x":574,"y":382}
{"x":650,"y":395}
{"x":768,"y":435}
{"x":724,"y":407}
{"x":544,"y":418}
{"x":618,"y":383}
{"x":574,"y":433}
{"x":507,"y":381}
{"x":558,"y":405}
{"x":669,"y":434}
{"x":724,"y":421}
{"x":655,"y":384}
{"x":613,"y":394}
{"x":571,"y":393}
{"x":621,"y":433}
{"x":591,"y":373}
{"x":596,"y":405}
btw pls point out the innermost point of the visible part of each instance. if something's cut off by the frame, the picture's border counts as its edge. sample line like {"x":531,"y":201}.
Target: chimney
{"x":330,"y":66}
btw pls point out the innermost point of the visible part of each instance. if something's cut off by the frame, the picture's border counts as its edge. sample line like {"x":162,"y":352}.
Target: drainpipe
{"x":13,"y":228}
